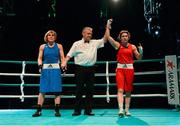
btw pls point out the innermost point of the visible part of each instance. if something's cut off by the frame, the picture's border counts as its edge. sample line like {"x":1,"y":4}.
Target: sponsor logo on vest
{"x":124,"y":66}
{"x":50,"y":66}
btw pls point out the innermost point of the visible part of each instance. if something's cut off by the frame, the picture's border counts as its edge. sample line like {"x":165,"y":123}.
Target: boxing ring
{"x":22,"y":84}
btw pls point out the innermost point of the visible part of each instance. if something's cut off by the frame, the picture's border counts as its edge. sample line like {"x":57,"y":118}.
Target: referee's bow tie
{"x":86,"y":41}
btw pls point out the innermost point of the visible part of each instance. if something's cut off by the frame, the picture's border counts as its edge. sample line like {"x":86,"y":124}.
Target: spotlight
{"x":155,"y":30}
{"x":115,"y":0}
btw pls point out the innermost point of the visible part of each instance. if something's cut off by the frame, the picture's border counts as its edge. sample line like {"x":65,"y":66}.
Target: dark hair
{"x":123,"y":31}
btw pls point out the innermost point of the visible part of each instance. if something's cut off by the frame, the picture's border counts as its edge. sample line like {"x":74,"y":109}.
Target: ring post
{"x":107,"y":80}
{"x":172,"y":79}
{"x":22,"y":81}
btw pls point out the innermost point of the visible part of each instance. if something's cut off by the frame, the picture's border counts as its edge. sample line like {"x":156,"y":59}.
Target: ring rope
{"x":101,"y":84}
{"x":98,"y":62}
{"x":97,"y":74}
{"x":73,"y":96}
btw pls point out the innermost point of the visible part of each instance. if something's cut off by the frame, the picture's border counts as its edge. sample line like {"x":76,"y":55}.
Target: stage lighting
{"x":155,"y":31}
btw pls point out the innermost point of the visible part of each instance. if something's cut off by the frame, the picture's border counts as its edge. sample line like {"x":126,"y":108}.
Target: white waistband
{"x":126,"y":66}
{"x":51,"y":66}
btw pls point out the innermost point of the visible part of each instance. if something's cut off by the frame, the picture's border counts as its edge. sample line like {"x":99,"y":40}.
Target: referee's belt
{"x":126,"y":66}
{"x":51,"y":66}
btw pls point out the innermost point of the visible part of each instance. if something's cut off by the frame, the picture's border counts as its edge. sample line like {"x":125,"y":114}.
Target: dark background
{"x":23,"y":24}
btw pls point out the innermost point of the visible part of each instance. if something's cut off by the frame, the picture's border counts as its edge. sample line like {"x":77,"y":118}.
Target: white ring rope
{"x":101,"y":84}
{"x":97,"y":74}
{"x":72,"y":96}
{"x":107,"y":79}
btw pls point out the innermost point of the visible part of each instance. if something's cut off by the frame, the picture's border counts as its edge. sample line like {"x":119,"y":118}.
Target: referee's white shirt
{"x":85,"y":54}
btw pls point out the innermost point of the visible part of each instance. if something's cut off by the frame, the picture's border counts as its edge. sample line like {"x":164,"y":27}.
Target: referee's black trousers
{"x":85,"y":79}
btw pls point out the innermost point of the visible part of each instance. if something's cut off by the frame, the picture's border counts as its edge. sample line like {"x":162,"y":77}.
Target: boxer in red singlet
{"x":125,"y":71}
